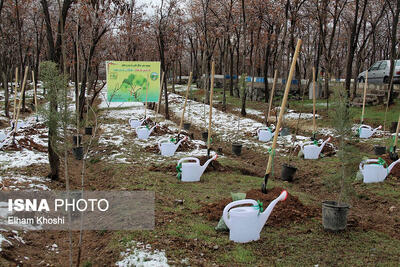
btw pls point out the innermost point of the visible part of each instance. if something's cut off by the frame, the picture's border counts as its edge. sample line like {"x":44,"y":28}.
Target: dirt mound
{"x":328,"y":150}
{"x":284,"y":213}
{"x":396,"y":169}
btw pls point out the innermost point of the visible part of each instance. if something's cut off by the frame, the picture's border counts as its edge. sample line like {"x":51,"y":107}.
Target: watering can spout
{"x":263,"y":217}
{"x":180,"y":141}
{"x":392,"y":165}
{"x":208,"y":162}
{"x":152,"y":128}
{"x":376,"y":129}
{"x":323,"y":144}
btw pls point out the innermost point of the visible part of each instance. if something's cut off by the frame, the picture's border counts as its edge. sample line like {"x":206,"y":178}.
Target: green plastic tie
{"x":383,"y":163}
{"x":259,"y":206}
{"x":179,"y":170}
{"x":173,"y":140}
{"x":315,"y":142}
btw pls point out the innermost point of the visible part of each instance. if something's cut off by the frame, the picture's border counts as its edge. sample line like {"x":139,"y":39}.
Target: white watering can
{"x":143,"y":132}
{"x":136,"y":123}
{"x":168,"y":148}
{"x":192,"y":171}
{"x":312,"y":151}
{"x":3,"y":136}
{"x":374,"y":172}
{"x":246,"y":223}
{"x":366,"y":131}
{"x":265,"y":134}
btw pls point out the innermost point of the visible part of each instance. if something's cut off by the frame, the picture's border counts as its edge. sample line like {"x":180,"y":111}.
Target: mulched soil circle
{"x":285,"y":212}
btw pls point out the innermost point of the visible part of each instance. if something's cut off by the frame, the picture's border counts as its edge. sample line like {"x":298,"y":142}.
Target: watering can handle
{"x":189,"y":158}
{"x":305,"y":143}
{"x":365,"y":126}
{"x":160,"y":141}
{"x":233,"y":204}
{"x":362,"y":163}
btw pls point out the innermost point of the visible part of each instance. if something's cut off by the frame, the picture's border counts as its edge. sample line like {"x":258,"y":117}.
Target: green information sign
{"x":127,"y":81}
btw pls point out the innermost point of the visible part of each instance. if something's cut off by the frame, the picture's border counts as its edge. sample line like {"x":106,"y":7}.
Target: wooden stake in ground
{"x":271,"y":97}
{"x":281,"y":112}
{"x":396,"y":139}
{"x":20,"y":101}
{"x":211,"y":107}
{"x":314,"y":103}
{"x":34,"y":93}
{"x":15,"y":96}
{"x":184,"y":105}
{"x":161,"y":90}
{"x":393,"y":154}
{"x":364,"y":97}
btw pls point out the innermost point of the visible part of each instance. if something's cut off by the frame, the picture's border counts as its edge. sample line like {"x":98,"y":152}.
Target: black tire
{"x":361,"y":80}
{"x":386,"y":79}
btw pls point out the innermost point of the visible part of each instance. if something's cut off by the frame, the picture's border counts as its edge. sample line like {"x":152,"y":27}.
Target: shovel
{"x":35,"y":94}
{"x":210,"y":113}
{"x":281,"y":113}
{"x":271,"y":97}
{"x":184,"y":107}
{"x":393,"y":154}
{"x":314,"y":104}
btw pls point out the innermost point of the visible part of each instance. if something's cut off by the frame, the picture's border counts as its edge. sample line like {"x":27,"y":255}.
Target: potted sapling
{"x":334,"y":212}
{"x":288,"y":170}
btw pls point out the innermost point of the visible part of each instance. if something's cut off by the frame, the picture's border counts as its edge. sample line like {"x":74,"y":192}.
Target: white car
{"x":379,"y":72}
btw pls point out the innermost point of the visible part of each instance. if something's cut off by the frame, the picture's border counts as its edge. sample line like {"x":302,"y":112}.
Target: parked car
{"x":379,"y":72}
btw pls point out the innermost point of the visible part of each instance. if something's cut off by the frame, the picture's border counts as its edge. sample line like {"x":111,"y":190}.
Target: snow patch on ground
{"x":21,"y":182}
{"x":141,"y":255}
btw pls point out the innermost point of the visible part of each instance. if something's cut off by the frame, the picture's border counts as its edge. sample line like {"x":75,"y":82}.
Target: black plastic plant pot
{"x":88,"y":130}
{"x":75,"y":138}
{"x":334,"y":215}
{"x":237,"y":149}
{"x":285,"y":131}
{"x":379,"y":150}
{"x":288,"y":172}
{"x":204,"y":135}
{"x":186,"y":126}
{"x":78,"y":152}
{"x":394,"y":127}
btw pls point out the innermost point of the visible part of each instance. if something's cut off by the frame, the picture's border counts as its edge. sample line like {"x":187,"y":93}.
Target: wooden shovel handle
{"x":271,"y":97}
{"x":161,"y":89}
{"x":365,"y":95}
{"x":184,"y":105}
{"x":314,"y":101}
{"x":397,"y":132}
{"x":15,"y":94}
{"x":211,"y":105}
{"x":20,"y":100}
{"x":283,"y":106}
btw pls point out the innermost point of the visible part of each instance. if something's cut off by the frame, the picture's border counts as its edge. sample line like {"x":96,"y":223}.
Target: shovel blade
{"x":265,"y":183}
